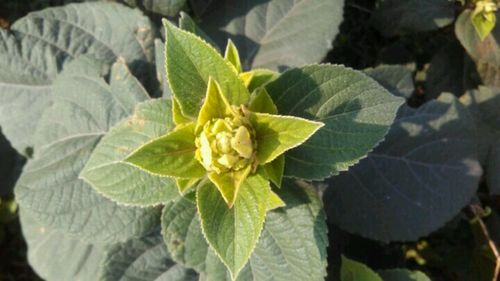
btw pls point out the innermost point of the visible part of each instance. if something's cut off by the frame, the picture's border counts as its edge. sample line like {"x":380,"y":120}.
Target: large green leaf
{"x":356,"y":110}
{"x":414,"y":182}
{"x":144,"y":258}
{"x":483,"y":103}
{"x":38,"y":46}
{"x":395,"y":17}
{"x":292,"y":246}
{"x":190,"y":62}
{"x":110,"y":175}
{"x":397,"y":79}
{"x":277,"y":33}
{"x":57,"y":256}
{"x":233,"y":232}
{"x":84,"y":109}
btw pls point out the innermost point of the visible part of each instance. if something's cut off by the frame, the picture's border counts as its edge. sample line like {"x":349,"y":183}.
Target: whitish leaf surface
{"x":190,"y":62}
{"x":292,"y":246}
{"x":483,"y":105}
{"x":395,"y":17}
{"x":110,"y":175}
{"x":84,"y":109}
{"x":397,"y":79}
{"x":356,"y":110}
{"x":57,"y":256}
{"x":40,"y":44}
{"x":414,"y":182}
{"x":277,"y":33}
{"x":403,"y":275}
{"x":144,"y":259}
{"x":482,"y":51}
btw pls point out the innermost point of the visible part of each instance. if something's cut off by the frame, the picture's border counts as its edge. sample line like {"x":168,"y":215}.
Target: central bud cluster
{"x":226,"y":145}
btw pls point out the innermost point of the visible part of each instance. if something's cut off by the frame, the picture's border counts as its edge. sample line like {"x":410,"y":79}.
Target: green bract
{"x":232,"y":147}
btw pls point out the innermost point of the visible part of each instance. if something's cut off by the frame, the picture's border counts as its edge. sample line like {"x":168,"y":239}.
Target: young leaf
{"x":172,"y":155}
{"x":229,"y":183}
{"x":179,"y":117}
{"x":190,"y":63}
{"x":233,"y":232}
{"x":185,"y":185}
{"x":356,"y":110}
{"x":110,"y":175}
{"x":274,"y":202}
{"x":355,"y":271}
{"x":483,"y":21}
{"x":276,"y":134}
{"x":214,"y":106}
{"x":260,"y":101}
{"x":232,"y":56}
{"x":274,"y":170}
{"x":259,"y":78}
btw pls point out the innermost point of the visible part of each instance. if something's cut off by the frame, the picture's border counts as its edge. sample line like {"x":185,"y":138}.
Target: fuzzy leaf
{"x":232,"y":56}
{"x":233,"y":232}
{"x":274,"y":170}
{"x":178,"y":116}
{"x":415,"y":181}
{"x":277,"y":33}
{"x":396,"y":79}
{"x":171,"y":155}
{"x":259,"y":78}
{"x":191,"y":59}
{"x":483,"y":23}
{"x":58,"y":256}
{"x":276,"y":134}
{"x":356,"y":110}
{"x":275,"y":202}
{"x":229,"y":183}
{"x":144,"y":258}
{"x":111,"y":176}
{"x":261,"y":102}
{"x":39,"y":45}
{"x":355,"y":271}
{"x":214,"y":106}
{"x":188,"y":24}
{"x":84,"y":109}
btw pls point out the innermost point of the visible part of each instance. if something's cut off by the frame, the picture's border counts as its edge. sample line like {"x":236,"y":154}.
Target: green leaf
{"x":274,"y":170}
{"x":185,"y":185}
{"x":259,"y":78}
{"x":394,"y":17}
{"x":191,"y":59}
{"x":214,"y":106}
{"x":182,"y":234}
{"x":171,"y":155}
{"x":31,"y":56}
{"x":229,"y":183}
{"x":483,"y":23}
{"x":292,"y":246}
{"x":483,"y":104}
{"x":261,"y":102}
{"x":275,"y":202}
{"x":356,"y":110}
{"x":110,"y":175}
{"x":84,"y":109}
{"x":178,"y":116}
{"x":233,"y":232}
{"x":408,"y":184}
{"x":188,"y":24}
{"x":232,"y":56}
{"x":397,"y":79}
{"x":485,"y":51}
{"x":276,"y":134}
{"x":144,"y":258}
{"x":56,"y":255}
{"x":161,"y":72}
{"x":277,"y":33}
{"x":402,"y":275}
{"x":355,"y":271}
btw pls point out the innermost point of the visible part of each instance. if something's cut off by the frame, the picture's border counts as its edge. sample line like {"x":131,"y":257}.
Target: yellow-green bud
{"x":226,"y":145}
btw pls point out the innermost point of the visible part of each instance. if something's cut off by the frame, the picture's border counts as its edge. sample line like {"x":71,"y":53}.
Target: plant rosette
{"x":229,"y":153}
